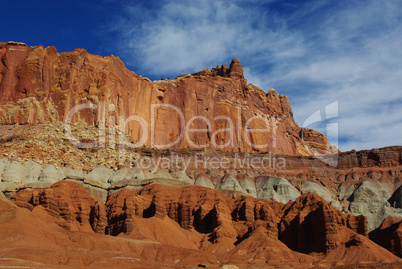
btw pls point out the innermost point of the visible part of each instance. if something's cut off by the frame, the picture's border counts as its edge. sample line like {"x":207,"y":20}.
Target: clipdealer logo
{"x":109,"y":125}
{"x":233,"y":128}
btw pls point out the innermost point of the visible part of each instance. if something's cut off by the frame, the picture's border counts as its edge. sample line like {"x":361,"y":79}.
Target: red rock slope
{"x":187,"y":226}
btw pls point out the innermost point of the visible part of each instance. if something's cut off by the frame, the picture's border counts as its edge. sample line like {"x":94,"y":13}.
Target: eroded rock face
{"x":51,"y":174}
{"x":311,"y":225}
{"x":372,"y":193}
{"x":160,"y":238}
{"x":278,"y":189}
{"x":228,"y":182}
{"x":39,"y":84}
{"x":205,"y":210}
{"x":314,"y":187}
{"x":232,"y":225}
{"x":102,"y":175}
{"x":323,"y":192}
{"x":204,"y":181}
{"x":3,"y":165}
{"x":13,"y":173}
{"x":316,"y":142}
{"x":390,"y":235}
{"x":200,"y":208}
{"x":370,"y":198}
{"x":307,"y":225}
{"x":388,"y":156}
{"x":70,"y":203}
{"x":396,"y":199}
{"x":248,"y":184}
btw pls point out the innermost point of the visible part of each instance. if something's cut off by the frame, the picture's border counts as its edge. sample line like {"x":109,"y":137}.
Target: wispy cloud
{"x":316,"y":52}
{"x":183,"y":36}
{"x":355,"y":59}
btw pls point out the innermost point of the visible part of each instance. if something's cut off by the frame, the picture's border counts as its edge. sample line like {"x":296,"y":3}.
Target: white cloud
{"x":314,"y":52}
{"x":355,"y":60}
{"x":183,"y":36}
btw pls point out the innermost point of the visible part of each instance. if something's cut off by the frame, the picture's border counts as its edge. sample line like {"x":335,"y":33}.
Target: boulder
{"x":32,"y":171}
{"x":51,"y":174}
{"x":3,"y":165}
{"x":182,"y":176}
{"x":276,"y":188}
{"x":371,"y":200}
{"x":229,"y":183}
{"x":14,"y":173}
{"x":72,"y":173}
{"x":101,"y":175}
{"x":119,"y":175}
{"x":204,"y":181}
{"x":248,"y":185}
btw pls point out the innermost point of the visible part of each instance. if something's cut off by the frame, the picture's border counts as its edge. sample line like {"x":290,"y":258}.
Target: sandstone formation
{"x":390,"y":235}
{"x":388,"y":156}
{"x":375,"y":193}
{"x":88,"y":198}
{"x":311,"y":225}
{"x":204,"y":181}
{"x":278,"y":189}
{"x":39,"y":84}
{"x":75,"y":209}
{"x":201,"y":220}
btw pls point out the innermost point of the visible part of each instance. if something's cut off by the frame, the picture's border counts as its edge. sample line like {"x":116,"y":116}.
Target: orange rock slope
{"x":39,"y":84}
{"x":180,"y":227}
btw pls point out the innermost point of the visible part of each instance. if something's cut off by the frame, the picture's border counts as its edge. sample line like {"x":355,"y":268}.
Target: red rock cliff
{"x":39,"y":84}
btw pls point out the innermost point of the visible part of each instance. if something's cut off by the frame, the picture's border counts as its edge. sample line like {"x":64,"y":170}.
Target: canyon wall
{"x":39,"y":84}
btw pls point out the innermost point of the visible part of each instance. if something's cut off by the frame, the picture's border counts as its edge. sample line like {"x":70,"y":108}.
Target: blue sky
{"x":315,"y":52}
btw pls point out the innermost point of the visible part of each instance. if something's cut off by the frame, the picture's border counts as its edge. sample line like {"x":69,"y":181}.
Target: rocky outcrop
{"x":372,"y":193}
{"x":396,"y":199}
{"x":204,"y":181}
{"x":70,"y":203}
{"x":39,"y":84}
{"x":228,"y":182}
{"x":15,"y":175}
{"x":323,"y":192}
{"x":383,"y":157}
{"x":307,"y":225}
{"x":370,"y":198}
{"x":389,"y":235}
{"x":316,"y":142}
{"x":311,"y":225}
{"x":201,"y":219}
{"x":196,"y":207}
{"x":241,"y":214}
{"x":278,"y":189}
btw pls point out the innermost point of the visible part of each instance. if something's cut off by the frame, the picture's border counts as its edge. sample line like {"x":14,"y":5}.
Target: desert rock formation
{"x":199,"y":220}
{"x":39,"y":84}
{"x":76,"y":194}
